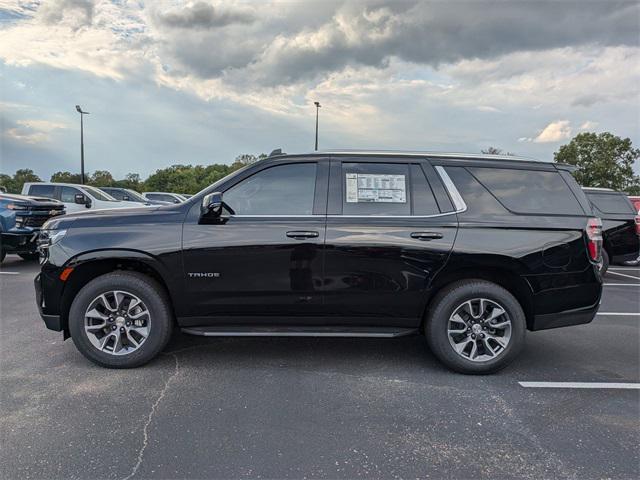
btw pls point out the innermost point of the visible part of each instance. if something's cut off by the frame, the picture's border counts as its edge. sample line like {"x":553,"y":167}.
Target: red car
{"x":636,"y":202}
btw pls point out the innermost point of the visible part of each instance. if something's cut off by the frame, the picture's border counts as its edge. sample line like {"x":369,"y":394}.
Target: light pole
{"x":82,"y":114}
{"x":317,"y":104}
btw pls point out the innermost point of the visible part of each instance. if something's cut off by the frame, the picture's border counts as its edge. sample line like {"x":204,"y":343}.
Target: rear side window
{"x":529,"y":191}
{"x":281,"y":190}
{"x":424,"y":202}
{"x":375,"y":189}
{"x":117,"y":194}
{"x":608,"y":203}
{"x":477,"y":198}
{"x":42,"y":190}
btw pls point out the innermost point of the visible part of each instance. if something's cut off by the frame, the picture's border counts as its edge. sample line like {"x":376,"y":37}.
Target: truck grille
{"x":35,"y":221}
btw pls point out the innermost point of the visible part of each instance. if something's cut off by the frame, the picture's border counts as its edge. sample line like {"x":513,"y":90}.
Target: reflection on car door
{"x":388,"y":234}
{"x":266,"y":258}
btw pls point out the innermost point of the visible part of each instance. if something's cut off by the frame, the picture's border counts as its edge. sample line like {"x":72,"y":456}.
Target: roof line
{"x":426,"y":154}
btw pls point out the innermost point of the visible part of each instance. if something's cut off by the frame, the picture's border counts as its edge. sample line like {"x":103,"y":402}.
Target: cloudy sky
{"x":203,"y":81}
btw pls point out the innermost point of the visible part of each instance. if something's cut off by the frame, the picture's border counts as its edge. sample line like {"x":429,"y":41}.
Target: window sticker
{"x":366,"y":187}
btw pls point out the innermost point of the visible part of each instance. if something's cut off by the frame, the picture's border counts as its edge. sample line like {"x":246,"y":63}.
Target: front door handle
{"x":301,"y":235}
{"x":426,"y":236}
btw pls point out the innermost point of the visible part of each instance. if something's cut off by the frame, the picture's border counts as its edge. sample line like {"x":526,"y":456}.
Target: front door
{"x":265,"y":258}
{"x":388,"y":235}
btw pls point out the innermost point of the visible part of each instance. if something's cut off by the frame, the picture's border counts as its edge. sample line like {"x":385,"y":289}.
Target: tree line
{"x":602,"y":160}
{"x":176,"y":178}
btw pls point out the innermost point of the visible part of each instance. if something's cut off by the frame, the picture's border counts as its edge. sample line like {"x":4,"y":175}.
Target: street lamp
{"x":317,"y":104}
{"x":82,"y":114}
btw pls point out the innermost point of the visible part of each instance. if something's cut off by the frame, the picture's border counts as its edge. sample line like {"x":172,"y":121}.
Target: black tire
{"x":29,"y":256}
{"x":145,"y":288}
{"x":3,"y":254}
{"x":604,"y":264}
{"x":448,"y":300}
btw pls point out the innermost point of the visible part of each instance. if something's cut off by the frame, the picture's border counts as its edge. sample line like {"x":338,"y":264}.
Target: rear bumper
{"x":53,"y":322}
{"x":565,"y":319}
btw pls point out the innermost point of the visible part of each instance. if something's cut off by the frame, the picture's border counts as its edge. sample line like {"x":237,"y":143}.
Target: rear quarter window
{"x":529,"y":191}
{"x":42,"y":191}
{"x":608,"y":203}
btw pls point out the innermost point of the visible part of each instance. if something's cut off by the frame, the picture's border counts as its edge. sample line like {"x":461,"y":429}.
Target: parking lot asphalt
{"x":319,"y":408}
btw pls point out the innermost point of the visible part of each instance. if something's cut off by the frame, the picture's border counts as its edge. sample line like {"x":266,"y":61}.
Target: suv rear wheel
{"x":120,"y":320}
{"x":475,"y":327}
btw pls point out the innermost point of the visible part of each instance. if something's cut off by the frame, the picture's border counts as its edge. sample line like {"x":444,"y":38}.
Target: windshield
{"x":133,"y":195}
{"x":99,"y":194}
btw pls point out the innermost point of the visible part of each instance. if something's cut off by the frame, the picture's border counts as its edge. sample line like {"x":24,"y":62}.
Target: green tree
{"x":65,"y":177}
{"x":495,"y":151}
{"x":603,"y":160}
{"x":101,"y":178}
{"x":21,"y":177}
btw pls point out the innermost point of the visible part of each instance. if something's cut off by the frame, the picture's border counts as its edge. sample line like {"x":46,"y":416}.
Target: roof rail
{"x":429,"y":154}
{"x":599,"y":189}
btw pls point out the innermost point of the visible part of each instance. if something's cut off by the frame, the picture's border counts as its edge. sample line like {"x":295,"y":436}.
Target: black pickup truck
{"x":20,"y":221}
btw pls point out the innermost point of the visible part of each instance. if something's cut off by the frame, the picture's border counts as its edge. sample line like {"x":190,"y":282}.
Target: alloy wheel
{"x":479,"y":330}
{"x":117,"y":322}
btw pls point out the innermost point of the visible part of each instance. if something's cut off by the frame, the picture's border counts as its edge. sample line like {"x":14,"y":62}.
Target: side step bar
{"x":290,"y":331}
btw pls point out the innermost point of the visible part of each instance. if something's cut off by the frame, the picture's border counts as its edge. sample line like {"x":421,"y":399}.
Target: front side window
{"x":46,"y":191}
{"x":117,"y":194}
{"x":99,"y":194}
{"x":375,"y":189}
{"x":529,"y":191}
{"x":281,"y":190}
{"x":68,"y":194}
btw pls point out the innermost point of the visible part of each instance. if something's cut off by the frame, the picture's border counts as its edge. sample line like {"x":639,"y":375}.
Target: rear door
{"x":390,"y":228}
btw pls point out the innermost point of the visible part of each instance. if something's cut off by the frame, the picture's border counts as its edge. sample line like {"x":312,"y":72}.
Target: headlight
{"x":17,"y":206}
{"x":49,"y":237}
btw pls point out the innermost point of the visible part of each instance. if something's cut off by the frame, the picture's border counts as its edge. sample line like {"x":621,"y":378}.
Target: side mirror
{"x":212,"y":205}
{"x":81,"y":199}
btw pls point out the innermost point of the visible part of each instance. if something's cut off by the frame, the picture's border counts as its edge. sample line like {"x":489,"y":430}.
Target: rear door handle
{"x":426,"y":236}
{"x":301,"y":235}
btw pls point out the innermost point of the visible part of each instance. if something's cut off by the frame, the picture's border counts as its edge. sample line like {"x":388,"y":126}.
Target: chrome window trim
{"x":456,"y":198}
{"x":277,"y":216}
{"x":344,"y":216}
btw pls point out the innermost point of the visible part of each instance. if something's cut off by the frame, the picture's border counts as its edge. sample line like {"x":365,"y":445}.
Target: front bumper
{"x":19,"y":242}
{"x":53,"y":322}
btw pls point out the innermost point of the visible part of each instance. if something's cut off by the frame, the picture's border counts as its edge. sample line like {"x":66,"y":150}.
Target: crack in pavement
{"x":145,"y":438}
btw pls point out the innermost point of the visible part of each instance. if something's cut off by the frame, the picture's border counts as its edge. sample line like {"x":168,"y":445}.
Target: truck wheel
{"x":475,"y":327}
{"x":121,"y":320}
{"x":29,"y":256}
{"x":604,"y":263}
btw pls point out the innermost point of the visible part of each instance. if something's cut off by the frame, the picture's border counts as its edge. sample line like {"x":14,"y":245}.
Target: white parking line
{"x":627,"y":386}
{"x":624,"y":268}
{"x":624,"y":275}
{"x":619,"y":314}
{"x":9,"y":273}
{"x":622,"y":284}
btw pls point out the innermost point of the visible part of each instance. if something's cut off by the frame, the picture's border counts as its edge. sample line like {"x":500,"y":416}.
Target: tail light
{"x":594,"y":238}
{"x":638,"y":224}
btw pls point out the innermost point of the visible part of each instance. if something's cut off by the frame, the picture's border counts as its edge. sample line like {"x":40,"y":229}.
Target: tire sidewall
{"x":151,"y":295}
{"x":443,"y":307}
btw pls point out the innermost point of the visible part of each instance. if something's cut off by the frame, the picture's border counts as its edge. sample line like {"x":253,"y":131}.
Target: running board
{"x":287,"y":331}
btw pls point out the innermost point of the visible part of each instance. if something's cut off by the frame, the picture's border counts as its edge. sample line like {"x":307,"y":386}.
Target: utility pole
{"x":317,"y":104}
{"x":82,"y":114}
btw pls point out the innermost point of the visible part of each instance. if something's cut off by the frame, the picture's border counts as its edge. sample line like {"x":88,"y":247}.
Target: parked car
{"x":76,"y":198}
{"x":20,"y":220}
{"x":635,"y":200}
{"x":164,"y":197}
{"x":128,"y":195}
{"x":468,"y":250}
{"x":620,"y":226}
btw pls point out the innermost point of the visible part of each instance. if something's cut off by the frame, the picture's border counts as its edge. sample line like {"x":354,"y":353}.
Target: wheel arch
{"x":504,"y":277}
{"x":89,"y":266}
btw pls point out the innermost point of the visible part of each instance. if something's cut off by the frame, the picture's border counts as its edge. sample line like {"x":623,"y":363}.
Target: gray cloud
{"x":589,"y":100}
{"x":429,"y":33}
{"x":202,"y":15}
{"x":54,"y":11}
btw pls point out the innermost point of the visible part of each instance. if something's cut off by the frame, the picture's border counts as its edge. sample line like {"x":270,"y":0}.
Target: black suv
{"x":469,"y":250}
{"x":620,"y":226}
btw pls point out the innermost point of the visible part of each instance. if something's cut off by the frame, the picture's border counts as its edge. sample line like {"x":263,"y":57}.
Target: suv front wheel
{"x":475,"y":327}
{"x":121,"y":320}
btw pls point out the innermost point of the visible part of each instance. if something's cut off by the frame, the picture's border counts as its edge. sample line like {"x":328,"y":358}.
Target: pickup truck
{"x":20,"y":220}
